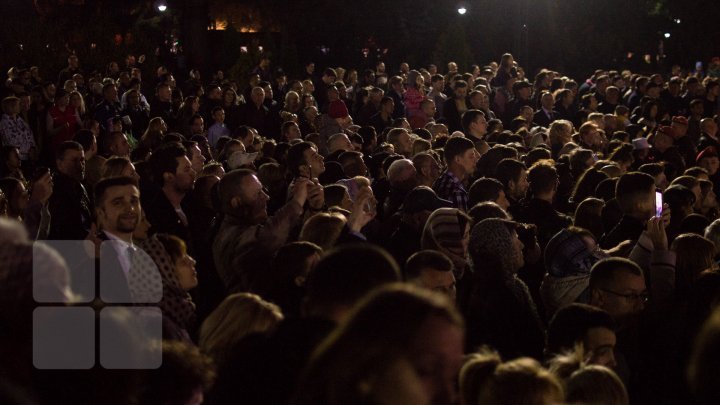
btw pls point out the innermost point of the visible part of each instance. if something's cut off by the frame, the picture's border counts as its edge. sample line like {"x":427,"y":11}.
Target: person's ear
{"x":596,"y":297}
{"x":167,"y":176}
{"x":235,"y":202}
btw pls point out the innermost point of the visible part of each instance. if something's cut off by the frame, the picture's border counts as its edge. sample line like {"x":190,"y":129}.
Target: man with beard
{"x":248,"y":238}
{"x":174,"y":175}
{"x":70,"y":206}
{"x":117,"y":207}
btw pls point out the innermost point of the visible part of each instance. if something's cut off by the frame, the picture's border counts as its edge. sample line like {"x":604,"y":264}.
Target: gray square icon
{"x":64,"y":338}
{"x":81,"y":269}
{"x":130,"y":337}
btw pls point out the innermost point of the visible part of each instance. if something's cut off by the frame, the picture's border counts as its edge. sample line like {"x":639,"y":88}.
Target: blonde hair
{"x":81,"y":108}
{"x":114,"y":166}
{"x":323,"y":229}
{"x":587,"y":383}
{"x":238,"y":316}
{"x":520,"y":381}
{"x":557,"y":130}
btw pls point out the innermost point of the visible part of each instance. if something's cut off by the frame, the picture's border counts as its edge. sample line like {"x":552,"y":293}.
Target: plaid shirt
{"x":449,"y":187}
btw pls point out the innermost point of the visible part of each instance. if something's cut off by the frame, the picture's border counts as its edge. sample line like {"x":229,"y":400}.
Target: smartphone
{"x":658,"y":203}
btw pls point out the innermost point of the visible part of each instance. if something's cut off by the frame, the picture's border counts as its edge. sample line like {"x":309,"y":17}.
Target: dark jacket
{"x":163,"y":218}
{"x":69,"y":208}
{"x":627,"y":229}
{"x":543,"y":215}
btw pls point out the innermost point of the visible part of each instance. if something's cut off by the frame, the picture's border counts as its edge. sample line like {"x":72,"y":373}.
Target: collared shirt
{"x":449,"y":187}
{"x":215,"y":131}
{"x":123,"y":250}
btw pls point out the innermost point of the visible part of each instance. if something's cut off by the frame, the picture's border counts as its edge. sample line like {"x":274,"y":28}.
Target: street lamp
{"x":462,"y":10}
{"x":161,"y":5}
{"x":667,"y":35}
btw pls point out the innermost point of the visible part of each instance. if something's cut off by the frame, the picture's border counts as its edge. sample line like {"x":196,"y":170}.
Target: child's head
{"x":218,"y":115}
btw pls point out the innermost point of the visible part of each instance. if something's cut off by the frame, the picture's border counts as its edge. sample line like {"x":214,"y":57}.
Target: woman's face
{"x":518,"y":251}
{"x":185,"y":272}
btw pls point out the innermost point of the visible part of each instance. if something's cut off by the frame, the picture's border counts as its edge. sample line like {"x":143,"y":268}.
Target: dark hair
{"x":334,"y":194}
{"x":469,"y":117}
{"x":84,"y":137}
{"x":164,"y":160}
{"x":604,"y":272}
{"x":587,"y":184}
{"x":509,"y":170}
{"x":296,"y":157}
{"x":653,"y":169}
{"x":571,"y":324}
{"x":630,"y":187}
{"x":484,"y":189}
{"x":456,"y":147}
{"x":103,"y":185}
{"x":543,"y":177}
{"x":485,"y":210}
{"x":66,"y":146}
{"x":426,"y":259}
{"x":345,"y":274}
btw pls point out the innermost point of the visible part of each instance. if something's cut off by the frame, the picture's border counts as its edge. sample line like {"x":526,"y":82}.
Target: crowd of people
{"x":419,"y":236}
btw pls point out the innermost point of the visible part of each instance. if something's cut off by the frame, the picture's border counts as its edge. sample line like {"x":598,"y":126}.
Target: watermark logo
{"x":113,"y":319}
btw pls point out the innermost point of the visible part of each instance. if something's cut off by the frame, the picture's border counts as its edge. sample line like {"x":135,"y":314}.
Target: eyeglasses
{"x":643,"y":297}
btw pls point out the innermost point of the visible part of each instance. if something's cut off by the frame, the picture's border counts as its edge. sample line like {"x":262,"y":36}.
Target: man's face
{"x":439,"y":85}
{"x":253,"y":200}
{"x":404,"y":145}
{"x":624,"y":297}
{"x":479,"y":126}
{"x":111,"y":94}
{"x":258,"y":96}
{"x":165,"y":94}
{"x":184,"y":178}
{"x":661,"y":181}
{"x":439,"y":281}
{"x":429,"y":108}
{"x":198,"y":160}
{"x":600,"y":344}
{"x":460,"y":93}
{"x":502,"y":201}
{"x":198,"y":125}
{"x":73,"y":62}
{"x":293,"y":132}
{"x":73,"y":164}
{"x":519,"y":187}
{"x":314,"y":161}
{"x":119,"y":211}
{"x":389,"y":106}
{"x":467,"y":160}
{"x":548,"y":101}
{"x":710,"y":164}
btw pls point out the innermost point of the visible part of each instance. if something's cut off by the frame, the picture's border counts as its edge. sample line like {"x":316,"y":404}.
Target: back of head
{"x":485,"y":210}
{"x":164,"y":160}
{"x":703,"y":377}
{"x":595,"y":385}
{"x":484,"y":189}
{"x":520,"y":381}
{"x":571,"y":324}
{"x":508,"y":170}
{"x":632,"y":189}
{"x":543,"y":177}
{"x":475,"y":372}
{"x":323,"y":229}
{"x":382,"y":329}
{"x":344,"y":275}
